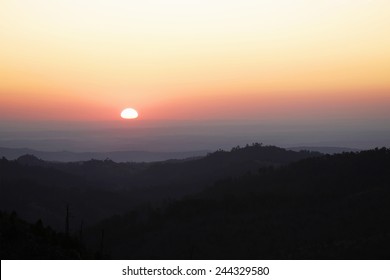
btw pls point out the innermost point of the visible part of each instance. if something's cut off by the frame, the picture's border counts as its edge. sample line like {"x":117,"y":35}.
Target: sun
{"x":129,"y":113}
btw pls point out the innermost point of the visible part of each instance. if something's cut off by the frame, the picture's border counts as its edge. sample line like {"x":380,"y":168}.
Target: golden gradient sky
{"x":197,"y":59}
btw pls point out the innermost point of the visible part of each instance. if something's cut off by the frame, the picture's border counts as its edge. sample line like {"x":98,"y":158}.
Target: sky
{"x":271,"y":62}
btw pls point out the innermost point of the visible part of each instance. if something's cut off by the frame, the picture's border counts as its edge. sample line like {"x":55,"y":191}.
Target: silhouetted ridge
{"x":218,"y":165}
{"x":331,"y":174}
{"x":257,"y":151}
{"x":30,"y":160}
{"x":117,"y":156}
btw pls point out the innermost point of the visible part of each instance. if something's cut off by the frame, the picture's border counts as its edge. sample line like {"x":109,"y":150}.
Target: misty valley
{"x":251,"y":202}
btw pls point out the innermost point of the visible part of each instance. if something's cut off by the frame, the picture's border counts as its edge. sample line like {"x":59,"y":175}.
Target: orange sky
{"x":196,"y":59}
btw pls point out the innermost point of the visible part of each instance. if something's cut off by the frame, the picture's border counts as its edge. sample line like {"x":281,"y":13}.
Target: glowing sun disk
{"x":129,"y":113}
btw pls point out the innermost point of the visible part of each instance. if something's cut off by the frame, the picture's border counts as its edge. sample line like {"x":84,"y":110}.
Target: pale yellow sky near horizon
{"x":83,"y":56}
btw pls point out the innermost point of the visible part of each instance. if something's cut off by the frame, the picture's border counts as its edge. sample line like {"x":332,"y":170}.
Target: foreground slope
{"x":332,"y":207}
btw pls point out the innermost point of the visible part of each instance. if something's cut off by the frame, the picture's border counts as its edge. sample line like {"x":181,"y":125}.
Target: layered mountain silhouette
{"x":252,"y":202}
{"x":118,"y":156}
{"x":135,"y":156}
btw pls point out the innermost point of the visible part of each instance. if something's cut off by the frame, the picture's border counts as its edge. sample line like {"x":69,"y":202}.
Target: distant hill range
{"x":136,"y":156}
{"x":117,"y":156}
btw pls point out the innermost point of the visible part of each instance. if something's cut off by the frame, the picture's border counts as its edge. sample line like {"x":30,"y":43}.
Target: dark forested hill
{"x":22,"y":240}
{"x":259,"y":202}
{"x":189,"y":172}
{"x":333,"y":207}
{"x":97,"y":189}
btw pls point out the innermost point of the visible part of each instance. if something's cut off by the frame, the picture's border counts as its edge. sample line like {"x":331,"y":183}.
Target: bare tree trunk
{"x":67,"y":221}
